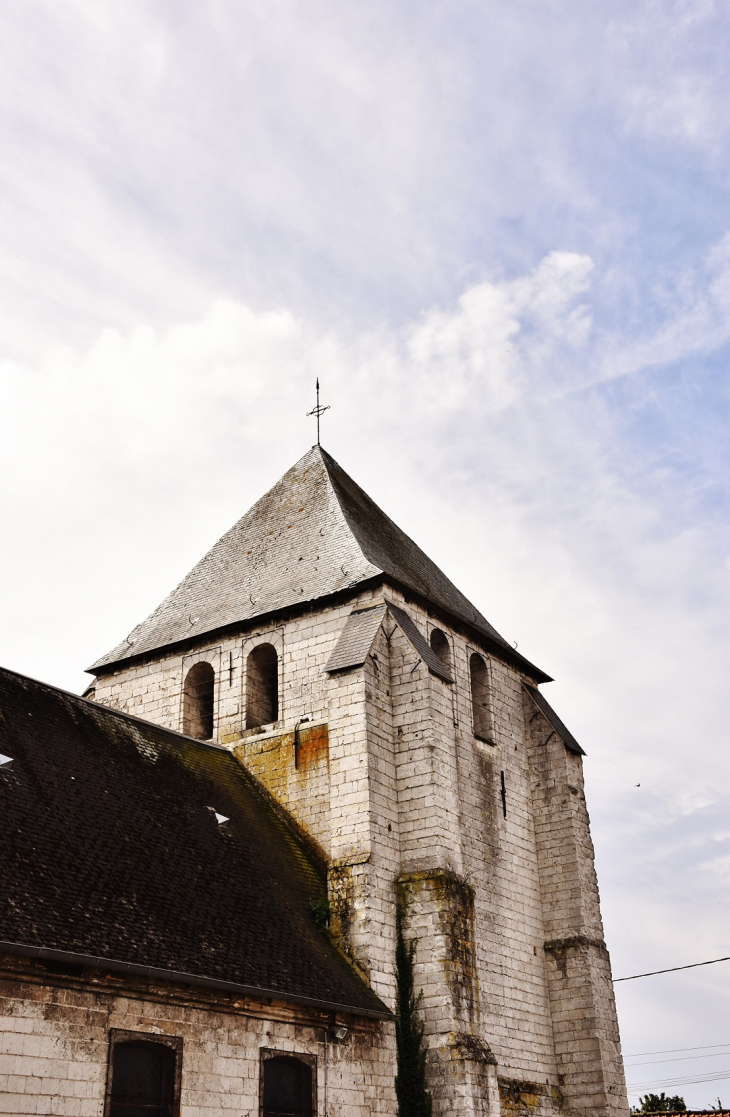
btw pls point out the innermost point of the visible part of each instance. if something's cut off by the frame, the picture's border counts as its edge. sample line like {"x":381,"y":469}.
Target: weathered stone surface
{"x":395,"y":789}
{"x":480,"y":832}
{"x":54,"y":1046}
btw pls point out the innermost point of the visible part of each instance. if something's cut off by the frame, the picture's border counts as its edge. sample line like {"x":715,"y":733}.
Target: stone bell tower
{"x":413,"y":748}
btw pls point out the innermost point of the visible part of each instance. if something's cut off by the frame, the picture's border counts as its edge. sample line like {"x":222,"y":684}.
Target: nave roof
{"x":114,"y":850}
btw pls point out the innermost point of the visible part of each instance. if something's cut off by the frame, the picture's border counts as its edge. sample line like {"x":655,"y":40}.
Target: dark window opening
{"x":198,"y":700}
{"x":288,"y":1084}
{"x":262,"y":686}
{"x":480,"y":697}
{"x":440,"y":645}
{"x":143,"y":1080}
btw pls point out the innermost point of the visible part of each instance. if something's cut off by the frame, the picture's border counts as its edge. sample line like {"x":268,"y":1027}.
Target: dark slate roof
{"x":389,"y":549}
{"x":111,"y":849}
{"x":419,"y":642}
{"x":315,"y":533}
{"x":356,"y":638}
{"x":552,"y":718}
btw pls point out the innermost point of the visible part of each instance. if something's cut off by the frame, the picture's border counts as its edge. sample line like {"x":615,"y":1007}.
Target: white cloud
{"x":495,"y":234}
{"x":123,"y":462}
{"x":668,"y":90}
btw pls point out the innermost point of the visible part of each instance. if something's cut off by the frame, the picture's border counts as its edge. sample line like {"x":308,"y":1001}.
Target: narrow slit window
{"x":287,"y":1087}
{"x":198,"y":701}
{"x":440,"y":645}
{"x":143,"y":1080}
{"x":262,"y":686}
{"x":479,"y":675}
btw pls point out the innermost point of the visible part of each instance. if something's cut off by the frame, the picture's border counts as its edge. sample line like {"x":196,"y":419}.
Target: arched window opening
{"x":198,"y":700}
{"x":262,"y":686}
{"x":143,"y":1080}
{"x":480,"y":697}
{"x":440,"y":645}
{"x":287,"y":1087}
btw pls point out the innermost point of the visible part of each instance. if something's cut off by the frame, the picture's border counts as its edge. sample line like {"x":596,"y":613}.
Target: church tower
{"x":414,"y":750}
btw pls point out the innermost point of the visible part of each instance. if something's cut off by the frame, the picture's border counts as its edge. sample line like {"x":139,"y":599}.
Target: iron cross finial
{"x":318,"y":410}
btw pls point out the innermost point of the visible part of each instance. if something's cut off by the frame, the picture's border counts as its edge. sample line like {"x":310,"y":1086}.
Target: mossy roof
{"x":111,"y":849}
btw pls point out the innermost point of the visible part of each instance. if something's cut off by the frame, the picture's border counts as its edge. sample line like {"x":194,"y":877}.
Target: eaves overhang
{"x":476,"y":635}
{"x":244,"y":625}
{"x":194,"y":981}
{"x":556,"y":724}
{"x":494,"y":647}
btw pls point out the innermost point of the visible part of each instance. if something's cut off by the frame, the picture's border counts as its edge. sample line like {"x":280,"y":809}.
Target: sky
{"x":499,"y":233}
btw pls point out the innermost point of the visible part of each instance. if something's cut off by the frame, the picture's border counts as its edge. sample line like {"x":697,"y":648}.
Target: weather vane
{"x":318,"y":410}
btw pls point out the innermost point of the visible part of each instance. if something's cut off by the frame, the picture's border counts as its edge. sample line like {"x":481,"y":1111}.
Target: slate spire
{"x":314,"y":534}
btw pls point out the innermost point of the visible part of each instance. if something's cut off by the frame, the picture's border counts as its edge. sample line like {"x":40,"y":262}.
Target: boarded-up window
{"x":262,"y":686}
{"x":480,"y":698}
{"x":198,"y":697}
{"x":440,"y":645}
{"x":143,"y":1080}
{"x":287,"y":1087}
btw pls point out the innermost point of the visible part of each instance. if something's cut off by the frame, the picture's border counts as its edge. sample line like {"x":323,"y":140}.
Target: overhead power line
{"x":672,"y":969}
{"x":676,"y":1050}
{"x":681,"y":1059}
{"x":667,"y":1083}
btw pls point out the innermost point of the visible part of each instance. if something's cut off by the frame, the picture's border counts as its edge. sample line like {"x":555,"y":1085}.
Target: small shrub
{"x":320,"y":910}
{"x":660,"y":1103}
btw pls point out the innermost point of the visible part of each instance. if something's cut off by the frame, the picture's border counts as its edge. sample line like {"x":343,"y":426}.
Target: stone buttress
{"x":585,"y":1027}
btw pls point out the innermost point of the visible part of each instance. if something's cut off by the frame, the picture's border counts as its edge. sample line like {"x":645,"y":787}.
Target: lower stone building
{"x":162,"y":949}
{"x":315,"y":740}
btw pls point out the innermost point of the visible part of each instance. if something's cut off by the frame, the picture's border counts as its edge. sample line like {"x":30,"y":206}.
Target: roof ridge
{"x":113,"y":710}
{"x":439,"y":590}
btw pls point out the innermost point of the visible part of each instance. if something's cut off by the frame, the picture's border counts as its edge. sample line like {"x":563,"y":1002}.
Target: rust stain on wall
{"x":294,"y":768}
{"x":312,"y":747}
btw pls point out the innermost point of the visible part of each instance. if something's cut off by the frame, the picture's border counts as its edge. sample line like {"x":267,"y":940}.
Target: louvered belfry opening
{"x":143,"y":1080}
{"x":287,"y":1087}
{"x":440,"y":645}
{"x":198,"y":701}
{"x":262,"y":686}
{"x":480,"y":697}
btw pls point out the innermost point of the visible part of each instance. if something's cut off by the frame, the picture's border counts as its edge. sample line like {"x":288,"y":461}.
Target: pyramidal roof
{"x":314,"y":534}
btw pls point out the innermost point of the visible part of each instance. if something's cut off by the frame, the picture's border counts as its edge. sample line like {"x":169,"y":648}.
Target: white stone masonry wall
{"x":497,"y":857}
{"x":457,"y":844}
{"x":579,"y":972}
{"x":152,"y":688}
{"x":54,"y":1048}
{"x":408,"y":789}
